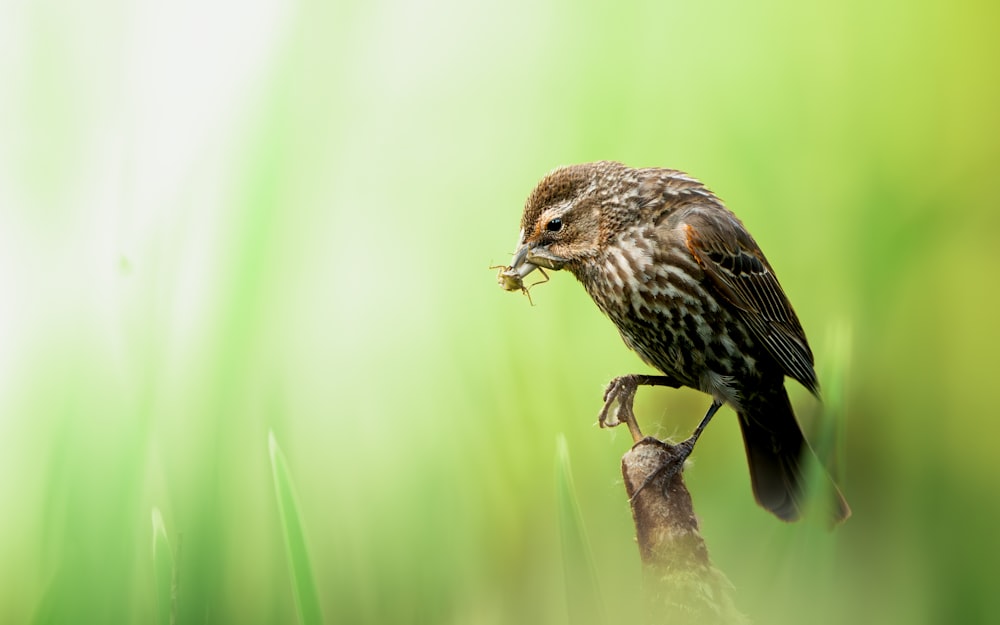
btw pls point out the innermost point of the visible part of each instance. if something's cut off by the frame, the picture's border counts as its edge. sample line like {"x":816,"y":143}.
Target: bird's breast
{"x":656,"y":294}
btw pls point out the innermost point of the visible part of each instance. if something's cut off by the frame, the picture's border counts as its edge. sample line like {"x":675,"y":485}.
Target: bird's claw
{"x":679,"y":454}
{"x":620,"y":392}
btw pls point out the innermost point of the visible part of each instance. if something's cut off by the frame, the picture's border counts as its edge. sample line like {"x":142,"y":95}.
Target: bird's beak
{"x":540,"y":256}
{"x":512,"y":277}
{"x":526,"y":259}
{"x":518,"y":261}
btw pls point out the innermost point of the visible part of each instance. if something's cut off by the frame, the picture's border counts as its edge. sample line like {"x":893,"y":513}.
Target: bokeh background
{"x":224,"y":219}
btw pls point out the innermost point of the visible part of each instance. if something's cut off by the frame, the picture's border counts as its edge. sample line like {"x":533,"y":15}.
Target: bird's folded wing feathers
{"x":738,"y":269}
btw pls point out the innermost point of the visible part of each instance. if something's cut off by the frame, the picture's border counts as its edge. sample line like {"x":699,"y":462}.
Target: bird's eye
{"x":554,"y":226}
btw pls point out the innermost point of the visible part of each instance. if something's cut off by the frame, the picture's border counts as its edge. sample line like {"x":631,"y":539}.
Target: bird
{"x":691,"y":293}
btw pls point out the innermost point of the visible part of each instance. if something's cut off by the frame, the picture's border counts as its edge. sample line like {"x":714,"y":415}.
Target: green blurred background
{"x":223,"y":219}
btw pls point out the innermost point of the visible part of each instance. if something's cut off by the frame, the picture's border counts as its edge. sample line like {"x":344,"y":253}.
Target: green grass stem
{"x":164,"y":572}
{"x":303,"y":584}
{"x":583,"y":594}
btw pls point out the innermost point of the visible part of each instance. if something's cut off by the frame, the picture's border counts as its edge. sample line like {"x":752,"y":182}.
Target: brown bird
{"x":692,"y":294}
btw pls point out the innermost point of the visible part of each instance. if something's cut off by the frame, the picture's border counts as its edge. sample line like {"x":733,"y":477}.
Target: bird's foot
{"x":668,"y":470}
{"x":619,"y":391}
{"x":619,"y":397}
{"x":679,"y":453}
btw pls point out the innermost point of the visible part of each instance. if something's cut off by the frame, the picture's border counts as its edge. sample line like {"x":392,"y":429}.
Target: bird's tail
{"x":776,"y":453}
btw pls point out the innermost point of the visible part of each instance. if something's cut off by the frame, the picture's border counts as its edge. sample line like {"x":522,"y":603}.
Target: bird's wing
{"x":737,"y":268}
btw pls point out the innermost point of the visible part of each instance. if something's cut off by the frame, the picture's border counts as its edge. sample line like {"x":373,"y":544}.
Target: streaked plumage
{"x":690,"y":291}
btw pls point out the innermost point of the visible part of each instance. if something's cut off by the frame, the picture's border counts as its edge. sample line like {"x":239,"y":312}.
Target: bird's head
{"x":564,"y":222}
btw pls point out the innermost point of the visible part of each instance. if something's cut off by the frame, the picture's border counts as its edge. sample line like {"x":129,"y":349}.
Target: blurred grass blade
{"x":164,"y":573}
{"x":583,"y":594}
{"x":303,"y":585}
{"x":828,"y":440}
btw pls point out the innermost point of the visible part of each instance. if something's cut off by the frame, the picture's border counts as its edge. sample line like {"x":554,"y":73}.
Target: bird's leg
{"x":621,"y":391}
{"x":691,"y":440}
{"x":684,"y":447}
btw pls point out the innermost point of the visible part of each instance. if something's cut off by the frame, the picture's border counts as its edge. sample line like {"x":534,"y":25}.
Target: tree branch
{"x":681,"y":584}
